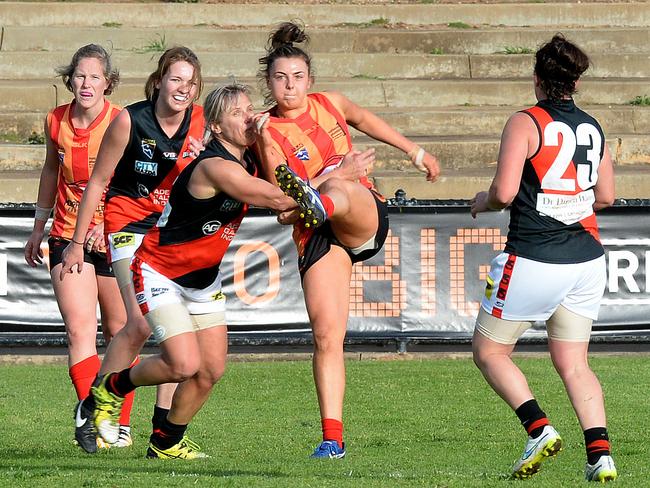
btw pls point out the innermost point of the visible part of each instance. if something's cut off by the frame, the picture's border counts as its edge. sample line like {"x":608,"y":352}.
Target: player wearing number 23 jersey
{"x":552,"y":218}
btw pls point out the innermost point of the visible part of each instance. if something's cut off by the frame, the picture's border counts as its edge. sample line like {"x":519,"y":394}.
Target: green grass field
{"x":408,"y":423}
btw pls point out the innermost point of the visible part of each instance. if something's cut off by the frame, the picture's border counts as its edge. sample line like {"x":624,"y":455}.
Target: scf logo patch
{"x":211,"y":227}
{"x":123,"y":239}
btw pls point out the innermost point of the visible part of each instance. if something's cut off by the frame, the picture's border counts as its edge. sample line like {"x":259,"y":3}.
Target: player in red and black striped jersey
{"x":176,"y":271}
{"x":73,"y":133}
{"x":555,"y":171}
{"x":144,"y":149}
{"x":310,"y":134}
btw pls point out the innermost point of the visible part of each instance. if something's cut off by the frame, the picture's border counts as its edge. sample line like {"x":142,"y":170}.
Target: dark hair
{"x":96,"y":51}
{"x":558,"y":65}
{"x":168,"y":58}
{"x":281,"y":45}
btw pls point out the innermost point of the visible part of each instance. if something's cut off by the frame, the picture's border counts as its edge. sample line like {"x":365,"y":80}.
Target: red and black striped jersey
{"x":552,"y":218}
{"x":140,"y":186}
{"x":76,"y":150}
{"x":192,"y":235}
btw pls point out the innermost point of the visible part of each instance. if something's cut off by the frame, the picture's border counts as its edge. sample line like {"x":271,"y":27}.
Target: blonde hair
{"x":217,"y":102}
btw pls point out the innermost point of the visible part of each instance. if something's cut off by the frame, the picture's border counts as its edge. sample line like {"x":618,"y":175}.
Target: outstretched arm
{"x":377,"y":128}
{"x":215,"y":174}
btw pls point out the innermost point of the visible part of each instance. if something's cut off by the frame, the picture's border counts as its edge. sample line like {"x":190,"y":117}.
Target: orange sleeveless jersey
{"x":314,"y":141}
{"x":77,"y":150}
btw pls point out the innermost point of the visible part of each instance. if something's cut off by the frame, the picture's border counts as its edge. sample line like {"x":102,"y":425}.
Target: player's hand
{"x":33,"y":251}
{"x":431,"y":167}
{"x":261,"y":125}
{"x":356,"y":164}
{"x":479,"y":203}
{"x":94,"y":241}
{"x":73,"y":255}
{"x":289,"y":217}
{"x":196,"y":147}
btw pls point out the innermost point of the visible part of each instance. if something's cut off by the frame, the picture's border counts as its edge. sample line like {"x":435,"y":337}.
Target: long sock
{"x":328,"y":204}
{"x":119,"y":383}
{"x":532,"y":417}
{"x":159,"y":416}
{"x":596,"y":443}
{"x":167,"y":434}
{"x":332,"y":430}
{"x":83,"y":373}
{"x":125,"y":415}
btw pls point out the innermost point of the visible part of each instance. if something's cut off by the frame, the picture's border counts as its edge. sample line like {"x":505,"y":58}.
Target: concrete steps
{"x":436,"y":72}
{"x":416,"y":121}
{"x":37,"y":95}
{"x":552,"y":15}
{"x":408,"y":40}
{"x":37,"y":65}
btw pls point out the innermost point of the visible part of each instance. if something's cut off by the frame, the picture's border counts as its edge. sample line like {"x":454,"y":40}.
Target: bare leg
{"x":327,"y":295}
{"x":77,"y":300}
{"x":355,"y":216}
{"x":111,"y":307}
{"x":582,"y":385}
{"x":505,"y":378}
{"x":194,"y":392}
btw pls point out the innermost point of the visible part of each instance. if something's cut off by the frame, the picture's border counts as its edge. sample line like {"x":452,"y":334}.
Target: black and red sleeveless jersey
{"x":192,"y":235}
{"x":151,"y":162}
{"x":552,"y":218}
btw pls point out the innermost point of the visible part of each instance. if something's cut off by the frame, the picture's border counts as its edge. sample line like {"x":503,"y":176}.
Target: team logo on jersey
{"x":211,"y":227}
{"x":122,"y":239}
{"x":170,"y":155}
{"x":229,"y":205}
{"x":143,"y":190}
{"x":148,"y":147}
{"x":302,"y":154}
{"x":148,"y":168}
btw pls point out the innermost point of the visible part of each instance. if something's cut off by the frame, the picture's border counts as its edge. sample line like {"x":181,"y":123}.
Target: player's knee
{"x":325,"y":341}
{"x":182,"y":368}
{"x":211,"y":375}
{"x":79,"y":334}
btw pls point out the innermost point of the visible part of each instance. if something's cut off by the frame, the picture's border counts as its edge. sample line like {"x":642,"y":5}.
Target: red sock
{"x":83,"y":374}
{"x":125,"y":415}
{"x":328,"y":204}
{"x":333,"y":430}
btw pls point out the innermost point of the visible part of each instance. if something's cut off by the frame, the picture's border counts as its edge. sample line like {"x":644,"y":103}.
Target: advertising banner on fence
{"x":427,"y":281}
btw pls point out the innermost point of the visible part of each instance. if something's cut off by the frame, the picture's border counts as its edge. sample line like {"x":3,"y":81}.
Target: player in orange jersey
{"x":554,"y":170}
{"x":144,"y":149}
{"x":73,"y":133}
{"x":308,"y":134}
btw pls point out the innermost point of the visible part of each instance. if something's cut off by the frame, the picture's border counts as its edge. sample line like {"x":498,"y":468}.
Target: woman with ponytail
{"x":306,"y":143}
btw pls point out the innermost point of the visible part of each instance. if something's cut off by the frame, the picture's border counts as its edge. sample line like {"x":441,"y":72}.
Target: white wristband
{"x":418,"y":161}
{"x":42,"y":214}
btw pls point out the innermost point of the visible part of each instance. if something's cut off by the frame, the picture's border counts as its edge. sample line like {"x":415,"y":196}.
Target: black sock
{"x":167,"y":435}
{"x":596,"y":443}
{"x":120,"y":384}
{"x":159,"y":416}
{"x":89,"y":403}
{"x":532,"y":417}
